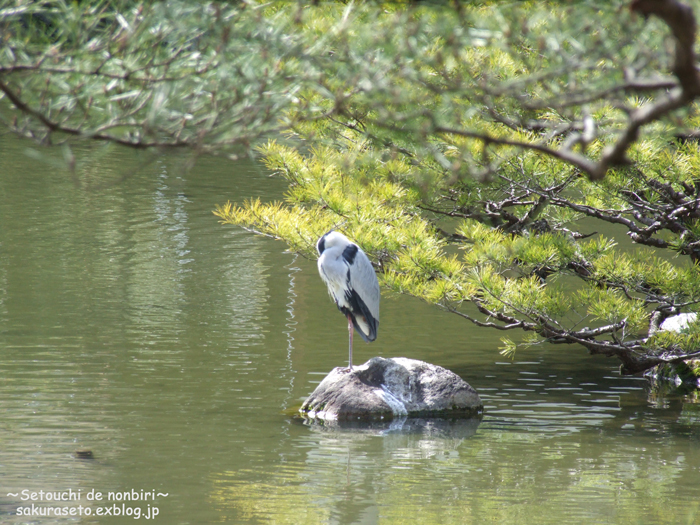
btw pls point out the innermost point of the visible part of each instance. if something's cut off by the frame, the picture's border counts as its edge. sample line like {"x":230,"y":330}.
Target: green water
{"x":135,"y":326}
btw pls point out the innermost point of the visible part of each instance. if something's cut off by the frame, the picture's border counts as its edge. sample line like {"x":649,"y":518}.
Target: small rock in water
{"x":678,"y":322}
{"x":385,"y":388}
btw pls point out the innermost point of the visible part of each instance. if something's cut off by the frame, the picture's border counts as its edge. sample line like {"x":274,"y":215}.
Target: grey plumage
{"x":351,"y":282}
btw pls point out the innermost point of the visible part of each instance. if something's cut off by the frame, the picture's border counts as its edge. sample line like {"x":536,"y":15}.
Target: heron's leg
{"x":350,"y":331}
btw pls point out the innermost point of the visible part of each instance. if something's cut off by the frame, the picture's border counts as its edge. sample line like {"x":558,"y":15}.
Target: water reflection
{"x":530,"y":397}
{"x":134,"y":325}
{"x":437,"y":429}
{"x":290,"y":328}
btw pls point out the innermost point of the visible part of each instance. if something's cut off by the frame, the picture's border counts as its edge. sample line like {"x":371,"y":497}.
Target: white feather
{"x":342,"y":277}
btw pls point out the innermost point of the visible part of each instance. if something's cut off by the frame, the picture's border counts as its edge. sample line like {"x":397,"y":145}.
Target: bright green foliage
{"x":426,"y":163}
{"x":368,"y":207}
{"x":510,"y":277}
{"x":473,"y":150}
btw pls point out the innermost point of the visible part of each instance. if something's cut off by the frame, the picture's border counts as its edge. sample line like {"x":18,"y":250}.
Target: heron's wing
{"x":363,"y":282}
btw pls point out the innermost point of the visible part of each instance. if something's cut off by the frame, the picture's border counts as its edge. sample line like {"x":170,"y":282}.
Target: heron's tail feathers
{"x":371,"y":333}
{"x":366,"y":325}
{"x":362,"y":319}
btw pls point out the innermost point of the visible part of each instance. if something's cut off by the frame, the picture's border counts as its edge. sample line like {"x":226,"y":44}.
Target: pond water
{"x":176,"y":350}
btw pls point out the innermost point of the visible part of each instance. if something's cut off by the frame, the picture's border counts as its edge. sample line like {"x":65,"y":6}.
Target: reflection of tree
{"x":504,"y":477}
{"x":3,"y":295}
{"x":608,"y":458}
{"x":126,"y":318}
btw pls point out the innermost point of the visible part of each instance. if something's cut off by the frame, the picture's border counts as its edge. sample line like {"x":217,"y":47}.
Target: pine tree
{"x":472,"y":150}
{"x":463,"y":148}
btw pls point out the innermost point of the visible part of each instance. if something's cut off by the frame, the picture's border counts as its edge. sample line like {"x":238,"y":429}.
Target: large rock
{"x":385,"y":388}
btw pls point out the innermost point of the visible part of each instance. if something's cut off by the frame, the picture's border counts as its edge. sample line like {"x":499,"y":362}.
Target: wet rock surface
{"x":389,"y":388}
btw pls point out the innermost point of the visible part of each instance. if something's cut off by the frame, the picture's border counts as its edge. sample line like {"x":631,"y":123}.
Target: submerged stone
{"x":387,"y":388}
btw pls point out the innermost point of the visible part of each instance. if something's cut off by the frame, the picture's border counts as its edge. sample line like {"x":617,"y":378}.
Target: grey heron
{"x":352,"y":284}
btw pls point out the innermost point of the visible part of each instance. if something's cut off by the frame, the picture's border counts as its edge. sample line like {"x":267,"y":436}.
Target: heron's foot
{"x":346,"y":370}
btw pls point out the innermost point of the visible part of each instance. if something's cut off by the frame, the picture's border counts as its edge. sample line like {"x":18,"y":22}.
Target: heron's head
{"x":330,"y":240}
